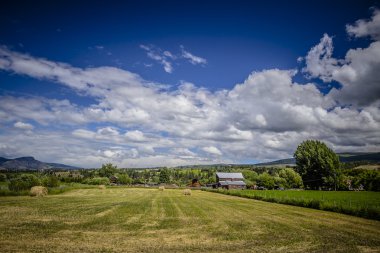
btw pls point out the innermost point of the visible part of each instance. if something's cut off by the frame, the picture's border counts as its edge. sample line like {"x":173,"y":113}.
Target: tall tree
{"x":108,"y":170}
{"x":317,"y":164}
{"x":164,"y":176}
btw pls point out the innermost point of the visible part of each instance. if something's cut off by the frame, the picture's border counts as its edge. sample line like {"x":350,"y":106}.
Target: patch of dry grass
{"x":147,"y":220}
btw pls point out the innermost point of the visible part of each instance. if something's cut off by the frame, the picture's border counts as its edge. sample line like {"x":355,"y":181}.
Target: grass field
{"x":362,"y":204}
{"x":148,"y":220}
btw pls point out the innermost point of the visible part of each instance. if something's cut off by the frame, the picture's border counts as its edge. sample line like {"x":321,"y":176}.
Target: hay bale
{"x":187,"y":192}
{"x":161,"y":188}
{"x":102,"y":187}
{"x":38,"y":191}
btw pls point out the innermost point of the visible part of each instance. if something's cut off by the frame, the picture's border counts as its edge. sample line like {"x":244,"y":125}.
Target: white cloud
{"x":192,"y":58}
{"x":212,"y":150}
{"x":363,"y":28}
{"x":160,"y":57}
{"x":24,"y":126}
{"x":183,"y":152}
{"x":135,"y":135}
{"x":83,"y":133}
{"x":358,"y":72}
{"x":108,"y":131}
{"x":319,"y":60}
{"x":263,"y":113}
{"x":166,"y":58}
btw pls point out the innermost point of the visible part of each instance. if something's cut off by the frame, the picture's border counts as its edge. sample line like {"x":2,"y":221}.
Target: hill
{"x":29,"y":163}
{"x":343,"y":157}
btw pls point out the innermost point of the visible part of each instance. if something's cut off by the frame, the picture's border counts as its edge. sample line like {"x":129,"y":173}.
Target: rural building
{"x":230,"y":180}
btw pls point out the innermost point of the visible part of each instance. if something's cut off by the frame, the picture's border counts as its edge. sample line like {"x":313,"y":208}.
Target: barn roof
{"x":229,"y":175}
{"x":232,"y":183}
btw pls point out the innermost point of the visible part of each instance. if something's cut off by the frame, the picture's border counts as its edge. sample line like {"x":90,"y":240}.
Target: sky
{"x":168,"y":83}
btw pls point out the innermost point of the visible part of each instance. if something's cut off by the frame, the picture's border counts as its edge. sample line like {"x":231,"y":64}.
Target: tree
{"x":50,"y":181}
{"x":164,"y":176}
{"x":317,"y":164}
{"x":23,"y":182}
{"x":292,"y":178}
{"x":266,"y":180}
{"x":250,"y":175}
{"x":108,"y":170}
{"x":124,"y":179}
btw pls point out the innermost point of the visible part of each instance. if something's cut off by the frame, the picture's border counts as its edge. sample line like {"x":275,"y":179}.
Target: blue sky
{"x":151,"y":83}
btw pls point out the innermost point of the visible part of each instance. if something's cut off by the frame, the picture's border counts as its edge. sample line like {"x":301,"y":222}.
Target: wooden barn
{"x":230,"y":180}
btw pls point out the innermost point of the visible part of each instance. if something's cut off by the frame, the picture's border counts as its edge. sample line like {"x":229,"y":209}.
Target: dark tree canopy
{"x":317,"y":164}
{"x":164,"y":176}
{"x":107,"y":170}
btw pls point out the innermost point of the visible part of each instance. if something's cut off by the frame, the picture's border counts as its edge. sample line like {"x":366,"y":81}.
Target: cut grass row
{"x":361,"y":204}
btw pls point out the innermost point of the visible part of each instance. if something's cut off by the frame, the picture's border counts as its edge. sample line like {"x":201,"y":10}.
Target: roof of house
{"x":229,"y":175}
{"x":232,"y":183}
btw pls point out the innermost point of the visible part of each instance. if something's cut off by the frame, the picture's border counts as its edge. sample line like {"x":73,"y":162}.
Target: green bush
{"x":23,"y":182}
{"x":97,"y":181}
{"x":50,"y":181}
{"x":124,"y":179}
{"x":3,"y":177}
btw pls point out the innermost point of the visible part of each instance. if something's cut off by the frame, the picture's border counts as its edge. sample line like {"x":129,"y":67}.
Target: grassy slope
{"x":147,"y":220}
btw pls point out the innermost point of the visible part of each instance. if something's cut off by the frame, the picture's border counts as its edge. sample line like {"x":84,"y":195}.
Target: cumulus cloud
{"x":134,"y":122}
{"x":212,"y":150}
{"x":135,"y":135}
{"x":319,"y":60}
{"x":24,"y":126}
{"x":363,"y":27}
{"x":358,"y":72}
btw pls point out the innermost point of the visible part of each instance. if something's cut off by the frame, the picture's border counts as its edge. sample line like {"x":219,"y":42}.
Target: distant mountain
{"x":61,"y":166}
{"x":29,"y":163}
{"x":288,"y":161}
{"x":370,"y":157}
{"x":343,"y":157}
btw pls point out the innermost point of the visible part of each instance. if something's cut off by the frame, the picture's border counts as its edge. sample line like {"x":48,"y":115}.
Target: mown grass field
{"x":148,"y":220}
{"x":362,"y":204}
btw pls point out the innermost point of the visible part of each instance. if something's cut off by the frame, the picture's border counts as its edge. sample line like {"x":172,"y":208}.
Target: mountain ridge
{"x":343,"y":157}
{"x":30,"y":163}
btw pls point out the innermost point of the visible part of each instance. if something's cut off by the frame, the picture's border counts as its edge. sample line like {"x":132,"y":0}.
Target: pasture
{"x":362,"y":204}
{"x":149,"y":220}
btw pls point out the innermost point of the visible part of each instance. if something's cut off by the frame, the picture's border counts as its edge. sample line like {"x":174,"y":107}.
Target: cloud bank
{"x":139,"y":123}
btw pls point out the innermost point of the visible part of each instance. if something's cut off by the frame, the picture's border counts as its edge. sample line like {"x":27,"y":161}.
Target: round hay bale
{"x":161,"y":188}
{"x":102,"y":187}
{"x":38,"y":191}
{"x":187,"y":192}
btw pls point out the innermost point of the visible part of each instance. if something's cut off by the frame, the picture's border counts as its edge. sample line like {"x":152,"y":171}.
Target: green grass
{"x":148,"y":220}
{"x":4,"y":191}
{"x":362,"y":204}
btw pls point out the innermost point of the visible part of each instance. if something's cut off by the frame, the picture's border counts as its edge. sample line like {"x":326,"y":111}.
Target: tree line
{"x":317,"y":167}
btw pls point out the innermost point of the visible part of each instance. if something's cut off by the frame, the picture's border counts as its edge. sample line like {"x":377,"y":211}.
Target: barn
{"x":230,"y":180}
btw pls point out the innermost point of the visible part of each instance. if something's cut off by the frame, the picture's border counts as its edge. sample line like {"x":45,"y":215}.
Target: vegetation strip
{"x":361,"y":204}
